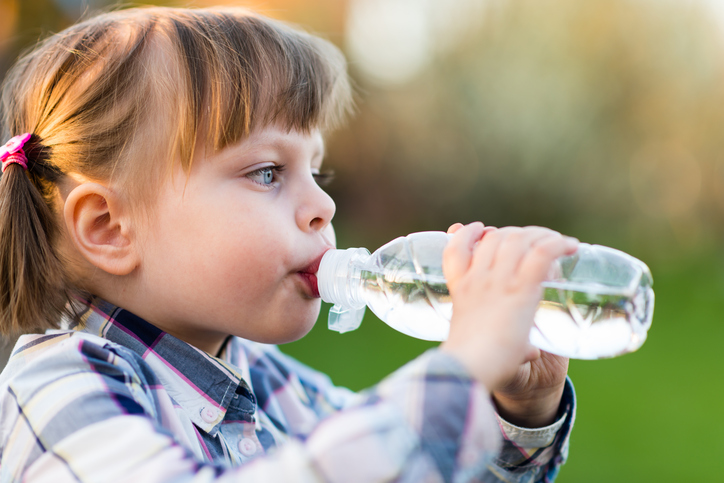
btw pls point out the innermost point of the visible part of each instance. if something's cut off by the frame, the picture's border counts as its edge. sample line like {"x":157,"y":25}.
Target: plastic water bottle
{"x":596,"y":303}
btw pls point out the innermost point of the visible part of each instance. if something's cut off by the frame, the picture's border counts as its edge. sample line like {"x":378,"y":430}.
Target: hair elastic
{"x":12,"y":152}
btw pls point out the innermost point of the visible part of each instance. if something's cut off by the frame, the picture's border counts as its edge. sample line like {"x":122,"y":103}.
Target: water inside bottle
{"x":583,"y":321}
{"x":418,"y":307}
{"x":591,"y":321}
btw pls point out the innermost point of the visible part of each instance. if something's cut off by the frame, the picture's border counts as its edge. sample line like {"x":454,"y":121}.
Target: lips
{"x":310,"y":281}
{"x":309,"y":274}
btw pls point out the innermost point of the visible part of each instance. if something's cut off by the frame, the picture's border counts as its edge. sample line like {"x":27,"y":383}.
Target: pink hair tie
{"x":12,"y":152}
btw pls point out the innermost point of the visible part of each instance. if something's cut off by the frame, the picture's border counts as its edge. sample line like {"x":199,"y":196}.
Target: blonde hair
{"x":124,"y":95}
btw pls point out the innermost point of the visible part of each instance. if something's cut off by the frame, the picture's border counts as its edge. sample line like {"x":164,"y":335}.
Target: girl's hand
{"x":494,"y":278}
{"x":531,"y":397}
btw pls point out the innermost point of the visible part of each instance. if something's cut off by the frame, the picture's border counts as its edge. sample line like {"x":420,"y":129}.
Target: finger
{"x":537,"y":263}
{"x":454,"y":228}
{"x":560,"y":363}
{"x":532,"y":353}
{"x":487,"y":249}
{"x":517,"y":245}
{"x":458,"y":253}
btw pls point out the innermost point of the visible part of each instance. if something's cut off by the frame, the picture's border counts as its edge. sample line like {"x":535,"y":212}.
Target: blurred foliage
{"x":600,"y":118}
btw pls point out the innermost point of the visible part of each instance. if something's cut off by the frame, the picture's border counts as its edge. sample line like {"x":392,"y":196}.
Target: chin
{"x":291,"y":332}
{"x":303,"y":329}
{"x":284,"y":326}
{"x":305,"y":323}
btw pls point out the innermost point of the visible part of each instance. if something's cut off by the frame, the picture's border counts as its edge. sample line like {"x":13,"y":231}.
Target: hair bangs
{"x":242,"y":72}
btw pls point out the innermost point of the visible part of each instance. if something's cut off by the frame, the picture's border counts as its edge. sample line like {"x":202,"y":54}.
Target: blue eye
{"x":265,"y":176}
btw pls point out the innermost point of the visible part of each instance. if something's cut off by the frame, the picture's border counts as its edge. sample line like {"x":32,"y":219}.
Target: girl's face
{"x":231,"y":248}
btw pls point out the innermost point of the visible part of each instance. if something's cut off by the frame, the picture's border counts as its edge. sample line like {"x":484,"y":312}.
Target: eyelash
{"x":276,"y":169}
{"x":324,"y":178}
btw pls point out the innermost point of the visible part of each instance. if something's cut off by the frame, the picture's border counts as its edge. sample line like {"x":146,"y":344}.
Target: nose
{"x":316,"y":210}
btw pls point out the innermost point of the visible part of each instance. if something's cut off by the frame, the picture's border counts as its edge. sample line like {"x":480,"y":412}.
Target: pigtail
{"x":33,"y":290}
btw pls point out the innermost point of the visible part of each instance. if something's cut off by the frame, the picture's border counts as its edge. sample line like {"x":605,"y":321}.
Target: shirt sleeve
{"x":82,"y":413}
{"x":534,"y":455}
{"x":526,"y":455}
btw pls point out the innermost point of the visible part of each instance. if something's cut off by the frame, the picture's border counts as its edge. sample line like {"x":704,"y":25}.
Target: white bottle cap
{"x":333,"y":280}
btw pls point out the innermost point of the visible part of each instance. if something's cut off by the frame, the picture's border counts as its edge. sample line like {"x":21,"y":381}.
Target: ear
{"x":100,"y":226}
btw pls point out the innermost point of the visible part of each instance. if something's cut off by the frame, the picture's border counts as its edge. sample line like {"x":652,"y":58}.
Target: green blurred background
{"x":599,"y":118}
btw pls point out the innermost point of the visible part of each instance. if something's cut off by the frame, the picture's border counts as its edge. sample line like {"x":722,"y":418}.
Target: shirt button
{"x":247,"y":446}
{"x":209,"y":414}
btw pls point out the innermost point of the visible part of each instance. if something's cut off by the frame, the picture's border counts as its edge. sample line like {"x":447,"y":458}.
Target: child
{"x":161,"y":223}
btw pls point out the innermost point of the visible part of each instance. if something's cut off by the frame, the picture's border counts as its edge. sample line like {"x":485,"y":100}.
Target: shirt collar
{"x":204,"y":386}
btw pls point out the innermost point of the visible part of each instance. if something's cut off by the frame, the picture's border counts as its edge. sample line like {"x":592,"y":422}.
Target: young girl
{"x":161,"y":222}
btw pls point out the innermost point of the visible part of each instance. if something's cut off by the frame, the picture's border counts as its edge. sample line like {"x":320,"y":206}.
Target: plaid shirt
{"x":122,"y":400}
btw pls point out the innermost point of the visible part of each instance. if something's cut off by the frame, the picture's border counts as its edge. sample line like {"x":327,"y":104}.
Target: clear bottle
{"x":597,"y":303}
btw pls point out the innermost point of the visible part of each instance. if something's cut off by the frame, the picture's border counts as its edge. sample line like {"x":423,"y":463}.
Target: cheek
{"x":248,"y":266}
{"x":237,"y":252}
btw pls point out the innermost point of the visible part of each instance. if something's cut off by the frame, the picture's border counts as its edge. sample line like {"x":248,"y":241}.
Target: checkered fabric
{"x":121,"y":400}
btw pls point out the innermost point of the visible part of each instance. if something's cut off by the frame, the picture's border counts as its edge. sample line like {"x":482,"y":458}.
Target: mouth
{"x":309,"y":275}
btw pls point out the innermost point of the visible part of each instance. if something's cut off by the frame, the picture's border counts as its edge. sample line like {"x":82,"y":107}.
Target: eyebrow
{"x":286,"y":145}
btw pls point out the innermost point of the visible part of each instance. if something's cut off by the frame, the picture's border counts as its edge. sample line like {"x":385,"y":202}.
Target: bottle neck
{"x":338,"y":278}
